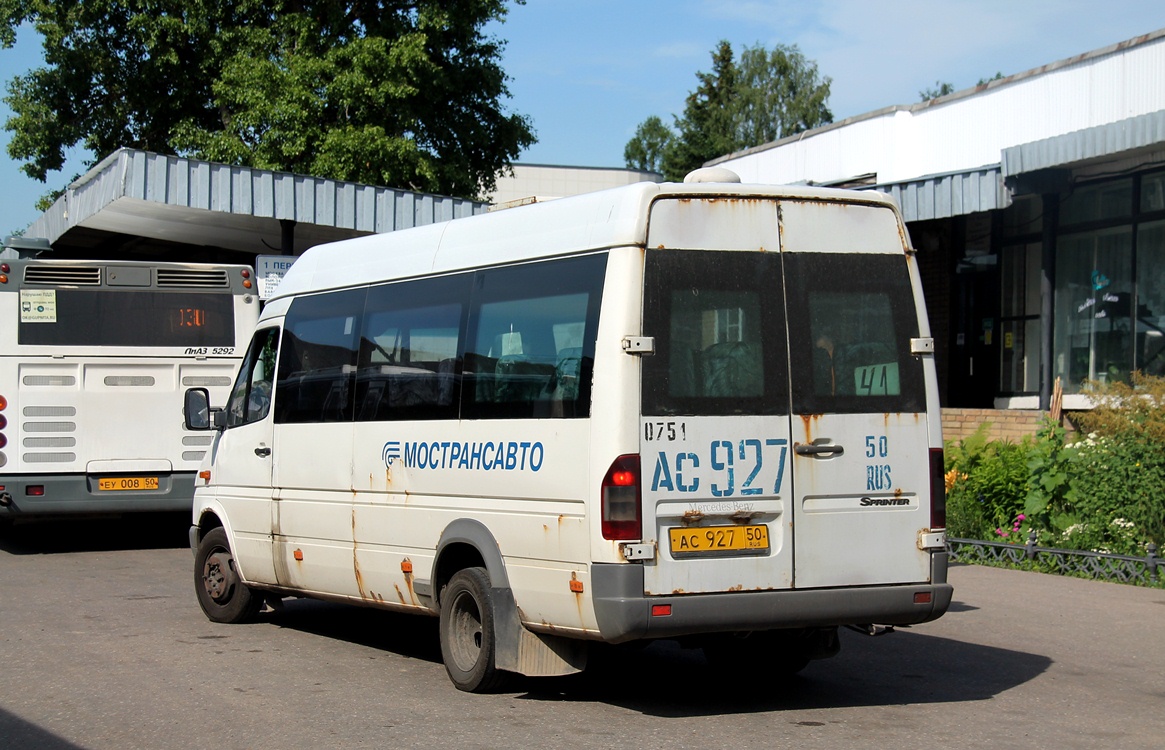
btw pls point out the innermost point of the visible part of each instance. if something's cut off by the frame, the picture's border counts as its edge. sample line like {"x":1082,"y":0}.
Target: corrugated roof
{"x":239,"y":208}
{"x":945,"y":195}
{"x":1144,"y":131}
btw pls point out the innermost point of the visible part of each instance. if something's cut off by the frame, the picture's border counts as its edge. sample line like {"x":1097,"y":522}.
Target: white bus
{"x":94,"y":359}
{"x":702,"y":411}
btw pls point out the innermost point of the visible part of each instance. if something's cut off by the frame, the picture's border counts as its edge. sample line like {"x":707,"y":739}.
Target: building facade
{"x":1037,"y":204}
{"x":538,"y":182}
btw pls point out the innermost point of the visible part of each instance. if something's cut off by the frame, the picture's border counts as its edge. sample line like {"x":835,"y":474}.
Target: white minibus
{"x":703,"y":411}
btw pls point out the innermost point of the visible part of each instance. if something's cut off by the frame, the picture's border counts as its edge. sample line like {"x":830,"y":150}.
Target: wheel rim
{"x":465,"y":632}
{"x":218,"y":576}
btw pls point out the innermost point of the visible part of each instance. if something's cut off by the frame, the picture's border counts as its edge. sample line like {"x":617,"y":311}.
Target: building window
{"x":1110,"y":282}
{"x":1149,"y":352}
{"x":1094,"y":287}
{"x":1020,"y":318}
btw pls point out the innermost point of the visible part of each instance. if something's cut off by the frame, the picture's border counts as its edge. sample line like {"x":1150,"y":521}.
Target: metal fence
{"x":1144,"y":571}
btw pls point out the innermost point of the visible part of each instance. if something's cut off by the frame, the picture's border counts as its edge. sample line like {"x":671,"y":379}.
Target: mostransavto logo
{"x":475,"y":456}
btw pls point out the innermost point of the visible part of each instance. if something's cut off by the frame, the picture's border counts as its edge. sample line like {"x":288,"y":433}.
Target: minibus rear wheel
{"x":221,"y":592}
{"x":468,"y":641}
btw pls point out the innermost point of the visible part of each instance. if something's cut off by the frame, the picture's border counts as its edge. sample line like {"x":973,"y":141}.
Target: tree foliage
{"x":940,"y":88}
{"x":768,"y":95}
{"x":406,"y":93}
{"x":780,"y":94}
{"x":645,"y":149}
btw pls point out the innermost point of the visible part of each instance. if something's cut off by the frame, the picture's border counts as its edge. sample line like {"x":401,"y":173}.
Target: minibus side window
{"x":409,"y":348}
{"x":317,"y":367}
{"x":251,"y":397}
{"x":851,"y":318}
{"x":719,"y":328}
{"x":531,"y":343}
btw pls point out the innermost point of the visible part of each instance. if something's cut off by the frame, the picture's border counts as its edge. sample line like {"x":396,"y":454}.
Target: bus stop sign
{"x":269,"y":270}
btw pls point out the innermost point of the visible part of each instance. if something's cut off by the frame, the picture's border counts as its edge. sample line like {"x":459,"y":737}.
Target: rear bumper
{"x":625,"y":614}
{"x":78,"y":494}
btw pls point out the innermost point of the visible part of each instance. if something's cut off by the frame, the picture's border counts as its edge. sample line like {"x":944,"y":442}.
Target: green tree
{"x":940,"y":88}
{"x":780,"y":94}
{"x":769,"y":95}
{"x":706,"y":128}
{"x":646,"y":147}
{"x":407,"y":93}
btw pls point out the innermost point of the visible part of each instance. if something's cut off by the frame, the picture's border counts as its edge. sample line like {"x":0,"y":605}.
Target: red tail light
{"x":621,"y":515}
{"x":938,"y":490}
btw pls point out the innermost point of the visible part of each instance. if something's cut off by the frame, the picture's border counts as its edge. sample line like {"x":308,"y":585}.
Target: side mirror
{"x":196,"y":410}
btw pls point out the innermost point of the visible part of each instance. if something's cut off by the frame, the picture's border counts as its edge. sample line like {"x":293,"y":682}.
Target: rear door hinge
{"x":922,"y":346}
{"x":639,"y":344}
{"x":638,"y":551}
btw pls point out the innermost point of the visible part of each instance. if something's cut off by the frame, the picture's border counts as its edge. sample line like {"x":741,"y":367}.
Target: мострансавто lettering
{"x":474,"y":456}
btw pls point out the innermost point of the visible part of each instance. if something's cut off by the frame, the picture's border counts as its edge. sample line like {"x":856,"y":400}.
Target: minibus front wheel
{"x":468,"y":632}
{"x":221,"y":592}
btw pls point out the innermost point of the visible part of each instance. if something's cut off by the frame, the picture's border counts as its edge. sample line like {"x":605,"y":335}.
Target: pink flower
{"x":1001,"y":532}
{"x":1021,"y":517}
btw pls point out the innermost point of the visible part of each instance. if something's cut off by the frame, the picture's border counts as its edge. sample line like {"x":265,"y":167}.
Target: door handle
{"x":262,"y":452}
{"x":818,"y":449}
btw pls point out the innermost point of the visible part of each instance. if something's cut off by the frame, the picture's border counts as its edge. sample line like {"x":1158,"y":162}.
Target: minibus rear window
{"x":851,"y":318}
{"x":719,"y":328}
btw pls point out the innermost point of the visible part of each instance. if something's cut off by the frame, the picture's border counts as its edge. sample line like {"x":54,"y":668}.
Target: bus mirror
{"x":196,"y":409}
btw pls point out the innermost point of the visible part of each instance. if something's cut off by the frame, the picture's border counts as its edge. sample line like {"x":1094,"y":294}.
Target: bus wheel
{"x":467,"y":632}
{"x":221,"y":593}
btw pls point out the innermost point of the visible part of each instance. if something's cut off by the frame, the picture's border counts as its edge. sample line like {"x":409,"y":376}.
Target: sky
{"x":587,"y":72}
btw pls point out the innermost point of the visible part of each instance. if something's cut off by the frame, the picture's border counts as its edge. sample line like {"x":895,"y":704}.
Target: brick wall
{"x":1006,"y":424}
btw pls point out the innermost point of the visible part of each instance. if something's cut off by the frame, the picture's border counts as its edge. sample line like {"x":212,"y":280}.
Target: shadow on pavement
{"x":91,"y":534}
{"x":902,"y":668}
{"x":18,"y":734}
{"x":665,"y":679}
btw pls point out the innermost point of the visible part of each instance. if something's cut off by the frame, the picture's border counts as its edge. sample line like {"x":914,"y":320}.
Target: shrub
{"x":986,"y":485}
{"x":1120,"y":467}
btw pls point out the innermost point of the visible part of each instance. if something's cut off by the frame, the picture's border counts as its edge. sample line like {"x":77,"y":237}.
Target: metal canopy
{"x":1123,"y":137}
{"x":141,"y":203}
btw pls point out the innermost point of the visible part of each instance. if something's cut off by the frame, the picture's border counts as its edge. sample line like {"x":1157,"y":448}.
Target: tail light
{"x":622,"y":517}
{"x":938,"y":490}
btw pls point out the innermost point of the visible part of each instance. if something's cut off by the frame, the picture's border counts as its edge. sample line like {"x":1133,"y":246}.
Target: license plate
{"x":127,"y":484}
{"x":715,"y":540}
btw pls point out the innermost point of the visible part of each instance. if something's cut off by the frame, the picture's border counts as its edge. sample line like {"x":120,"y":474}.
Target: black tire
{"x":221,"y":592}
{"x":468,"y":640}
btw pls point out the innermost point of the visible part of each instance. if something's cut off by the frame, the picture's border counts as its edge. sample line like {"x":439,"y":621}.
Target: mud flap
{"x":531,"y":654}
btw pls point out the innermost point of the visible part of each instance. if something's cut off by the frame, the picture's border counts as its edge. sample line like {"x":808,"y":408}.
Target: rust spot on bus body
{"x":808,"y":420}
{"x":577,"y":590}
{"x":356,"y":560}
{"x":692,"y":516}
